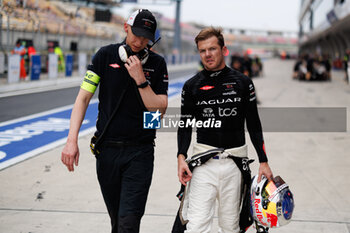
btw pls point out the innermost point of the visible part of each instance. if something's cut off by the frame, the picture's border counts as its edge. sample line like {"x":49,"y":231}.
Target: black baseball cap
{"x":143,"y":23}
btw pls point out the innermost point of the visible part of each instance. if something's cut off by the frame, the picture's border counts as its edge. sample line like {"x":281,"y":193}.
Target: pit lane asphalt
{"x":30,"y":97}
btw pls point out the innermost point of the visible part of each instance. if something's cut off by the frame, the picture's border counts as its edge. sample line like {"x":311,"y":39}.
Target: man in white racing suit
{"x":224,"y":99}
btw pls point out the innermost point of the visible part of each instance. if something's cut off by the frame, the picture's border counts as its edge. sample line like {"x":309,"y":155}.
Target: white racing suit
{"x":218,"y":179}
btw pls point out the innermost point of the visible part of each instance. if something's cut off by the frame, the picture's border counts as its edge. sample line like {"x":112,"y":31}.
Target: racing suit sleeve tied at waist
{"x":239,"y":156}
{"x":241,"y":152}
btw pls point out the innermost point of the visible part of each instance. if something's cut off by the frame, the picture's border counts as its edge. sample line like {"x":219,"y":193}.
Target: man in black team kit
{"x":132,"y":80}
{"x":226,"y":97}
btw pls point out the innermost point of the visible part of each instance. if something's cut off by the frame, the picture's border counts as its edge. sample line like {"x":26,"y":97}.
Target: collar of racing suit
{"x":213,"y":74}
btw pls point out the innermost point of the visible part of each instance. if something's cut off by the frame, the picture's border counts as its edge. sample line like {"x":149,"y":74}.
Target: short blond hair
{"x":209,"y":32}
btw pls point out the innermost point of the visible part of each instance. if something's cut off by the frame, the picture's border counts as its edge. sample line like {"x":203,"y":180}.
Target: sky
{"x":243,"y":14}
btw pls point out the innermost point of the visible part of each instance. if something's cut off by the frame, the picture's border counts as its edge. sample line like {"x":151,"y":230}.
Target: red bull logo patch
{"x":272,"y":219}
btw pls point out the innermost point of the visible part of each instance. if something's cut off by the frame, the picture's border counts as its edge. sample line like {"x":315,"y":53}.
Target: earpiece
{"x":125,"y":52}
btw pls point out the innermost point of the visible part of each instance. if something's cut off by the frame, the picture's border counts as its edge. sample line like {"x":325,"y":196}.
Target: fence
{"x":52,"y":66}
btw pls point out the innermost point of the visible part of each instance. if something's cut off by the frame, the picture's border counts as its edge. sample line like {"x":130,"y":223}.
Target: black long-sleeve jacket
{"x":219,"y":104}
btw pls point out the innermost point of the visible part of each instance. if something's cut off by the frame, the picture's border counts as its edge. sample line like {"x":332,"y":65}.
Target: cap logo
{"x":143,"y":23}
{"x":132,"y":17}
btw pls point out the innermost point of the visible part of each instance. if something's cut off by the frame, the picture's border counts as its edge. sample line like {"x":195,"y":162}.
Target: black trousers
{"x":125,"y":175}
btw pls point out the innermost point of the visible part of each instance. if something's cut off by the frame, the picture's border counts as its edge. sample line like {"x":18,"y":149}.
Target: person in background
{"x":61,"y":62}
{"x":257,"y":66}
{"x":236,"y":62}
{"x":21,"y":50}
{"x":247,"y":65}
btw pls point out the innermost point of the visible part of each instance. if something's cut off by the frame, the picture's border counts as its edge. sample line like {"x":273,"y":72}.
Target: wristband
{"x":143,"y":85}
